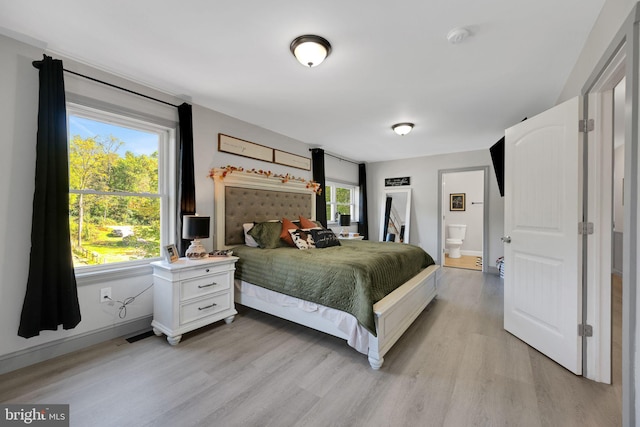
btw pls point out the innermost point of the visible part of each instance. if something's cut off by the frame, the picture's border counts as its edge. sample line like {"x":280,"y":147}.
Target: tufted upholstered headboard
{"x":243,"y":197}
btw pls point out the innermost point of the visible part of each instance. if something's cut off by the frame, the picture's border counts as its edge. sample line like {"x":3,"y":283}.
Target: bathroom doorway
{"x":463,"y":217}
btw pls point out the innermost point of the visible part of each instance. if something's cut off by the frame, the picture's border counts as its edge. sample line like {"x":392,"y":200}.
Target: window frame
{"x":166,"y":184}
{"x":353,"y":205}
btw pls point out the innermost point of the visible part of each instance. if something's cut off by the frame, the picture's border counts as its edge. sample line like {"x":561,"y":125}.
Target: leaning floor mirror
{"x":395,"y":215}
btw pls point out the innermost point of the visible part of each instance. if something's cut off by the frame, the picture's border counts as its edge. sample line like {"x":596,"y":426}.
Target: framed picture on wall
{"x":456,"y":201}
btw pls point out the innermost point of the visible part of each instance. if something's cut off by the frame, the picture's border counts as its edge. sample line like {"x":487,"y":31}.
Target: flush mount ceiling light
{"x":310,"y":50}
{"x":402,"y":128}
{"x":457,"y":35}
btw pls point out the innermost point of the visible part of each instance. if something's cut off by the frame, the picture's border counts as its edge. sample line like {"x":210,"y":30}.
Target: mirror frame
{"x":407,"y":222}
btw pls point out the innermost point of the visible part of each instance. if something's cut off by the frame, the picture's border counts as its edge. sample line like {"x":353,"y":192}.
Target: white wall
{"x":611,"y":18}
{"x":424,"y":199}
{"x":206,"y":126}
{"x":472,"y":184}
{"x":18,"y":123}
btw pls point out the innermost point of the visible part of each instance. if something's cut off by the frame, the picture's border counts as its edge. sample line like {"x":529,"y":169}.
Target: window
{"x":119,"y":192}
{"x":341,"y":199}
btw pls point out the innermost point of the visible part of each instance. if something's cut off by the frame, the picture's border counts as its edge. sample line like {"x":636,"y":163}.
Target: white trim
{"x":443,"y":207}
{"x":407,"y":218}
{"x":116,"y":272}
{"x":166,"y":188}
{"x":597,"y":360}
{"x":353,"y":205}
{"x":599,"y":208}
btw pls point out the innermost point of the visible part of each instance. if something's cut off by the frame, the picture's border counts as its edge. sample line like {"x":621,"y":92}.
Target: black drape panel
{"x":317,"y":162}
{"x":186,"y":178}
{"x":387,"y":217}
{"x":51,"y":298}
{"x":363,"y":223}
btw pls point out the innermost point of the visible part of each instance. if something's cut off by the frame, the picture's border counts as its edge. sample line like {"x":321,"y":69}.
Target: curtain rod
{"x":336,"y":157}
{"x":37,"y":64}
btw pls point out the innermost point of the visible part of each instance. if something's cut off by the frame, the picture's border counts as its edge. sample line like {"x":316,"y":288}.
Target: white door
{"x":543,"y":259}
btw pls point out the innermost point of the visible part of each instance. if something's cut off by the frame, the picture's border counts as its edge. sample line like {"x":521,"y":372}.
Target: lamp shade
{"x":345,"y":220}
{"x":195,"y":227}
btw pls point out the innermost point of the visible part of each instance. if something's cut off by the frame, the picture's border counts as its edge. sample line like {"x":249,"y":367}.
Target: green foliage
{"x":343,"y":195}
{"x":94,"y":164}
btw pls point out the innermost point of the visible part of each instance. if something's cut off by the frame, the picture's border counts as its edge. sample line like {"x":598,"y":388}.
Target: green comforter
{"x":351,"y":277}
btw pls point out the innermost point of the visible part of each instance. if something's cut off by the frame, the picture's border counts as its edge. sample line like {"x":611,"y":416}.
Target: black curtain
{"x":363,"y":224}
{"x":186,"y":178}
{"x":51,"y":298}
{"x":317,"y":161}
{"x":387,"y":217}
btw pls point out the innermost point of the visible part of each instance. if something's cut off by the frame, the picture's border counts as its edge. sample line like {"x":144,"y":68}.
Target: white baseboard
{"x":466,"y":252}
{"x":470,"y":253}
{"x":30,"y":356}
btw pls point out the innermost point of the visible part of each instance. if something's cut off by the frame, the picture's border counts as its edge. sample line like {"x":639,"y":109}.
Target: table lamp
{"x":345,"y":221}
{"x":196,"y":228}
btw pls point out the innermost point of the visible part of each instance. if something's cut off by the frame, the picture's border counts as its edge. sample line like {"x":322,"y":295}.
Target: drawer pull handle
{"x":207,"y":270}
{"x":208,"y":306}
{"x":206,"y":286}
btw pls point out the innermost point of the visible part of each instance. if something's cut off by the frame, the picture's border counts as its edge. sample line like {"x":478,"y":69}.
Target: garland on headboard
{"x":225,"y":170}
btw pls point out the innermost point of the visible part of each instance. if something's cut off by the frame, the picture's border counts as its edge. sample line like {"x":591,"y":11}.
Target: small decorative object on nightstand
{"x":196,"y":228}
{"x":351,"y":236}
{"x":191,"y":294}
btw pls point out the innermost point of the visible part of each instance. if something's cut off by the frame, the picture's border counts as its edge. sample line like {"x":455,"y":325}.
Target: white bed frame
{"x":393,"y":314}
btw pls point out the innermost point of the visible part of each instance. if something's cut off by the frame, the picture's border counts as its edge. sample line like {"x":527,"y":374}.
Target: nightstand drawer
{"x":204,"y":285}
{"x":204,"y":307}
{"x":203,"y":271}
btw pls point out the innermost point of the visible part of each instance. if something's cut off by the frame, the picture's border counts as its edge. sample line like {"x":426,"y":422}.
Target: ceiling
{"x":391,"y":62}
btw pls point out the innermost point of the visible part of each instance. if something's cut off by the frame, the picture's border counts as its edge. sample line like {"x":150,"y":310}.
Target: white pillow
{"x":248,"y":240}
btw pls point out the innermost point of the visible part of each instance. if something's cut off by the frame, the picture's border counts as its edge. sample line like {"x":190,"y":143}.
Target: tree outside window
{"x":340,"y":199}
{"x":115,"y":195}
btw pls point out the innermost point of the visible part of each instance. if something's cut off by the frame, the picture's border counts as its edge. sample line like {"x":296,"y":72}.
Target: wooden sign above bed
{"x":240,"y":147}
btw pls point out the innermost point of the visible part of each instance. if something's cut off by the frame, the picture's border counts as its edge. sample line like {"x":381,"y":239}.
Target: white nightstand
{"x":350,"y":238}
{"x":191,"y":294}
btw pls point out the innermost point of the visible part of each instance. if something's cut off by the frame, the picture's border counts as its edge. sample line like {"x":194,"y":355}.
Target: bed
{"x":249,"y":196}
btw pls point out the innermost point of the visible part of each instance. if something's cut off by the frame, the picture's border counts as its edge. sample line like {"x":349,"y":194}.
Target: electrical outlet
{"x":105,"y":295}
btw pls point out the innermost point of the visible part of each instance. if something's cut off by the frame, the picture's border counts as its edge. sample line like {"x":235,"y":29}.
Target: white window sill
{"x":93,"y":276}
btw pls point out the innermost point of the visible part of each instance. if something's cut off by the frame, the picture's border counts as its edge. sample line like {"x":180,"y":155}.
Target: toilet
{"x":456,"y":237}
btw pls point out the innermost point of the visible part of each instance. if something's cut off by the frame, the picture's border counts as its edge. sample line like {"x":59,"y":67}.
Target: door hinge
{"x":585,"y":330}
{"x":585,"y":125}
{"x":585,"y":228}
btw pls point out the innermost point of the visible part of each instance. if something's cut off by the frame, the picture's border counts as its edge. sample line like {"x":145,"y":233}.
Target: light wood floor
{"x":455,"y":366}
{"x":465,"y":261}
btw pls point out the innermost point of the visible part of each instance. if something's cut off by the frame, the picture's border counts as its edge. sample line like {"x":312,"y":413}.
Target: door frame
{"x":485,"y":213}
{"x":627,"y":42}
{"x":598,"y":207}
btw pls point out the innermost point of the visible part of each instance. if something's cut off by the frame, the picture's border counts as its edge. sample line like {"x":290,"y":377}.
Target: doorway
{"x":605,"y":147}
{"x":463,"y":217}
{"x":617,"y":231}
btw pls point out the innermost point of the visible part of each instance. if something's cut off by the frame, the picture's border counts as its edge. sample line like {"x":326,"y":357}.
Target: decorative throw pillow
{"x":324,"y":238}
{"x":267,"y":234}
{"x":307,"y":223}
{"x":284,"y":234}
{"x":302,"y":238}
{"x":248,"y":240}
